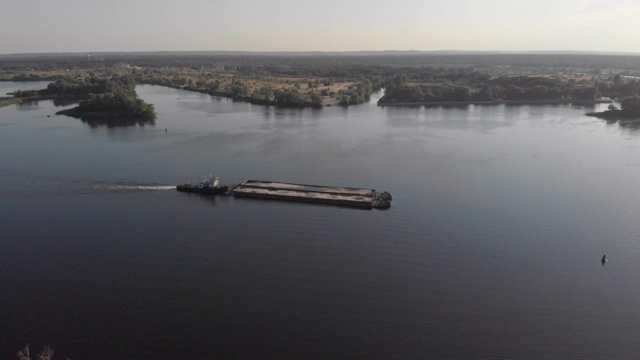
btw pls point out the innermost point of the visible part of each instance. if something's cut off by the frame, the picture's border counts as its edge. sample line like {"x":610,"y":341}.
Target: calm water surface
{"x":491,"y":248}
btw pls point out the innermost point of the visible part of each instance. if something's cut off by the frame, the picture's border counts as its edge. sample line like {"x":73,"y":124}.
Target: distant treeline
{"x":326,"y":64}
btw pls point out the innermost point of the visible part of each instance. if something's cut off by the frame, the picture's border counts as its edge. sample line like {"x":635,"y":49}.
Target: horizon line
{"x":338,"y":52}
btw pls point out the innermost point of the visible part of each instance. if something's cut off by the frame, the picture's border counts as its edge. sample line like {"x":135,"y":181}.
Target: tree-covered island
{"x":100,"y":99}
{"x":629,"y":110}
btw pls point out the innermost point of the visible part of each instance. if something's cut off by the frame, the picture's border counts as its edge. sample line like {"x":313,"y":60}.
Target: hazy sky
{"x":323,"y":25}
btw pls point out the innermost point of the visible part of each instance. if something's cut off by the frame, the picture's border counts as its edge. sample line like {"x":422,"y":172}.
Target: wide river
{"x":491,"y":249}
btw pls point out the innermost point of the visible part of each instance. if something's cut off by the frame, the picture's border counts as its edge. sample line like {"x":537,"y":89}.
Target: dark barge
{"x":344,"y":196}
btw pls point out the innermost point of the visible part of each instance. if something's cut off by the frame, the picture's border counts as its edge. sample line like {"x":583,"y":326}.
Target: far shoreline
{"x":379,"y":103}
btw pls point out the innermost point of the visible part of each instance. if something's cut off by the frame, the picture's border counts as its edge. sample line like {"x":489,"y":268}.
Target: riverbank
{"x":249,"y":99}
{"x":498,"y":102}
{"x":9,"y":101}
{"x":276,"y":93}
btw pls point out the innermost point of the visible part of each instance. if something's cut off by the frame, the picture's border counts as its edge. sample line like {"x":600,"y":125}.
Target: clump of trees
{"x":107,"y":98}
{"x":360,"y":94}
{"x":25,"y":93}
{"x":285,"y":97}
{"x":618,"y":87}
{"x":631,"y":106}
{"x":117,"y":103}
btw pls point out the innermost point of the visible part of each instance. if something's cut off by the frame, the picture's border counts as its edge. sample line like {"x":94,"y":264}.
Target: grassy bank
{"x":9,"y":101}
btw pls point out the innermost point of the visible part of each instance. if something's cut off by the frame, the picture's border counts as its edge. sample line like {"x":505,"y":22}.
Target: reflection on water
{"x":208,"y":199}
{"x":632,"y":125}
{"x":117,"y":122}
{"x":64,"y":102}
{"x":28,"y":105}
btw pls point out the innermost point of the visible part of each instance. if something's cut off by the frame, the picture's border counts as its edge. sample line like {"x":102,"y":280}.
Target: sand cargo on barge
{"x":344,"y":196}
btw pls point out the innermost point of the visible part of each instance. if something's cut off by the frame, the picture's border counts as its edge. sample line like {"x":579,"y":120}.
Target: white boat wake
{"x":141,"y":187}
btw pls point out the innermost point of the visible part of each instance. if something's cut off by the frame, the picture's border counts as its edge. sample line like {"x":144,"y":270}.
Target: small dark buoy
{"x":48,"y":115}
{"x":165,"y":130}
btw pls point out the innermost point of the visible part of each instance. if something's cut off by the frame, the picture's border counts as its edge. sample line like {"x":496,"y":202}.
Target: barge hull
{"x":343,"y":196}
{"x":194,"y":189}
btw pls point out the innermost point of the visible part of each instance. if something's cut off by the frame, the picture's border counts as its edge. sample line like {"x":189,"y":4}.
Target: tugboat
{"x":381,"y":200}
{"x":210,"y":185}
